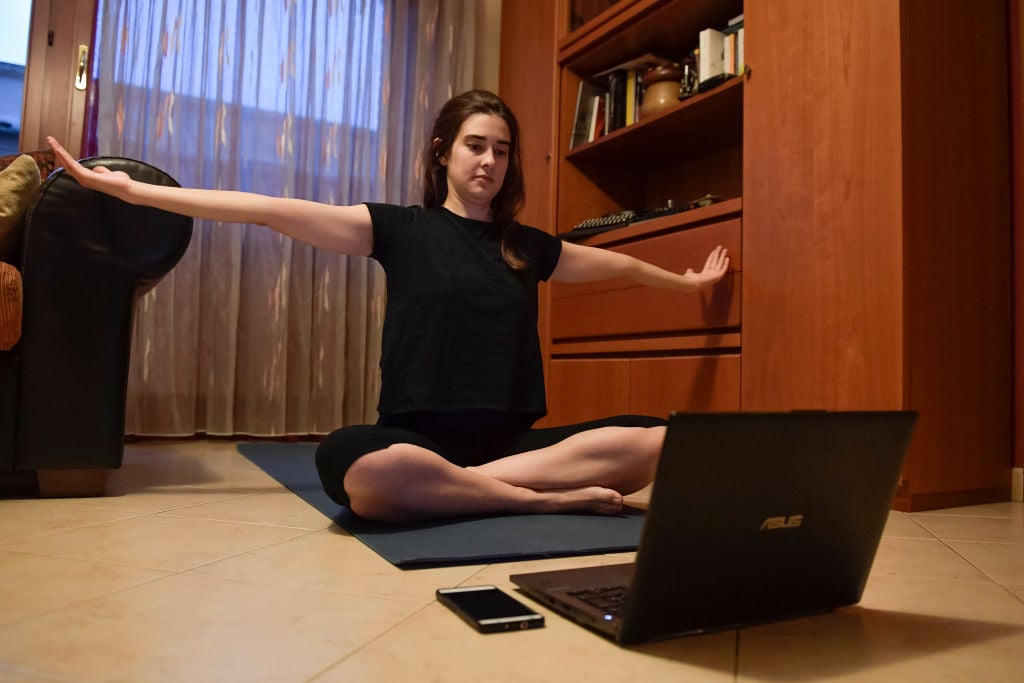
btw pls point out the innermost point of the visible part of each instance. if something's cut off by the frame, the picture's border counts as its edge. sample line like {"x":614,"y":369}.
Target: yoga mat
{"x":456,"y":541}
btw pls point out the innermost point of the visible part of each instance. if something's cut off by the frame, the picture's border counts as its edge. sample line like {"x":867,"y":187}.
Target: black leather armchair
{"x":85,"y":259}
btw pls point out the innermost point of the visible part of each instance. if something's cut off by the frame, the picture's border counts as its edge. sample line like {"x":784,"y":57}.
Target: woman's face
{"x":478,"y":159}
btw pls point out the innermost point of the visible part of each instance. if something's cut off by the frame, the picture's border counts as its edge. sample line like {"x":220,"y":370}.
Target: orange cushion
{"x":18,"y":184}
{"x":10,"y":306}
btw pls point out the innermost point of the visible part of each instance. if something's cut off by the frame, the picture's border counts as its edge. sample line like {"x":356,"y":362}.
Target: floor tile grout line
{"x":1006,"y":588}
{"x":291,"y":586}
{"x":736,"y":657}
{"x":307,"y":532}
{"x":923,"y":528}
{"x":368,"y":643}
{"x":987,"y":575}
{"x":138,"y":515}
{"x":11,"y":539}
{"x":243,"y":494}
{"x":167,"y":574}
{"x":239,"y":521}
{"x":94,"y":598}
{"x":29,"y":672}
{"x":970,"y":540}
{"x":159,"y":569}
{"x":929,"y":515}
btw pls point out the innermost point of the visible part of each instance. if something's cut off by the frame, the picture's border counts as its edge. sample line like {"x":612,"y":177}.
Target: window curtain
{"x":253,"y":333}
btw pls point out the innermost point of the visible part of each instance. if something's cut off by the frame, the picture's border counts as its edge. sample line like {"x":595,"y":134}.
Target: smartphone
{"x":488,"y":609}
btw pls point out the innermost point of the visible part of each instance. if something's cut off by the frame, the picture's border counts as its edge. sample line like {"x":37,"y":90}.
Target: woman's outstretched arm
{"x":343,"y":229}
{"x":579,"y":263}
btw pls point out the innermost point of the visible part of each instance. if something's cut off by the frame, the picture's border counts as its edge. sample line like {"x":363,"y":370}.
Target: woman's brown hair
{"x":512,"y":195}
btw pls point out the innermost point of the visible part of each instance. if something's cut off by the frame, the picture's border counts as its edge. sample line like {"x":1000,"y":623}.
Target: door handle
{"x":82,"y":72}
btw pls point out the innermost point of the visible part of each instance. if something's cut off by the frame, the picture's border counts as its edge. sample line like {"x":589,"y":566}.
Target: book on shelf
{"x":729,"y":54}
{"x":710,"y":56}
{"x":633,"y":86}
{"x":733,"y":48}
{"x":623,"y":84}
{"x":597,"y":120}
{"x":720,"y":54}
{"x":617,"y":81}
{"x":583,"y":121}
{"x":741,"y":64}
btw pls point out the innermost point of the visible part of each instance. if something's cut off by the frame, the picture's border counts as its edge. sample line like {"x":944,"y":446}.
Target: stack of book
{"x":611,"y":99}
{"x":720,"y":54}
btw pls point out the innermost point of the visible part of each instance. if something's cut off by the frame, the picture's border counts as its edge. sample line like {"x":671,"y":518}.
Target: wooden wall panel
{"x":957,"y":236}
{"x":528,"y":80}
{"x":658,"y":386}
{"x":822,"y":207}
{"x":587,"y":389}
{"x":1016,"y":11}
{"x":528,"y":77}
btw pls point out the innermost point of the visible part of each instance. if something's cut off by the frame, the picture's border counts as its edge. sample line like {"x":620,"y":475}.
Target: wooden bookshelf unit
{"x":866,"y":209}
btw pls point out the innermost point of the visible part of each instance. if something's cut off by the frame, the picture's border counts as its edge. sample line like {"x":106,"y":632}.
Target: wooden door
{"x":823,"y":290}
{"x":57,"y":72}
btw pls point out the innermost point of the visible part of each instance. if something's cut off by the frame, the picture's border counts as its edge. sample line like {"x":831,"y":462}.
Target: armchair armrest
{"x":85,"y":259}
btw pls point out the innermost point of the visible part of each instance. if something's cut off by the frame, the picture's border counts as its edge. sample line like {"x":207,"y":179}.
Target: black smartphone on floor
{"x":489,"y":609}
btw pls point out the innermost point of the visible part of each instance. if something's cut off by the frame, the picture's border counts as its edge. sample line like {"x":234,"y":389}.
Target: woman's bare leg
{"x":585,"y":472}
{"x":619,"y":458}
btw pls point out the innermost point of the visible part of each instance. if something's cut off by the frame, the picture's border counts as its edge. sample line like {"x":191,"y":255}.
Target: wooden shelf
{"x":710,"y":120}
{"x":631,"y":29}
{"x":685,"y":220}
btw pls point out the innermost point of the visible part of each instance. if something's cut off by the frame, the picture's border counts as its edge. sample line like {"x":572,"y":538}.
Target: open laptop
{"x":753,"y":517}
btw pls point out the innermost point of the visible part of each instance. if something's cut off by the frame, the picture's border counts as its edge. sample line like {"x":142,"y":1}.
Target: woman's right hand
{"x":100,"y":178}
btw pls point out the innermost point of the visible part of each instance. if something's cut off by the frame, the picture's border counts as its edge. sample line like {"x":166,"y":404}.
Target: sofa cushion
{"x":10,"y":306}
{"x":44,"y":158}
{"x":18,"y":184}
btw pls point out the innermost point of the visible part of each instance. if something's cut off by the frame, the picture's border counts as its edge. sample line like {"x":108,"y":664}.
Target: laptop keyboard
{"x":608,"y":598}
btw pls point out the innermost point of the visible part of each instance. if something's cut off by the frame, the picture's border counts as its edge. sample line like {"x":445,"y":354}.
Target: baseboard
{"x":1017,"y":494}
{"x":919,"y":502}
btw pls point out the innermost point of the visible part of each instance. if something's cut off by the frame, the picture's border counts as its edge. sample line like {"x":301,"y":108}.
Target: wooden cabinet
{"x":865,"y":168}
{"x":877,"y":228}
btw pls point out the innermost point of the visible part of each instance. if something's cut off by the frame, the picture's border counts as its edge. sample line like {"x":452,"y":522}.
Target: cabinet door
{"x":657,"y":386}
{"x":823,"y":288}
{"x":587,"y":389}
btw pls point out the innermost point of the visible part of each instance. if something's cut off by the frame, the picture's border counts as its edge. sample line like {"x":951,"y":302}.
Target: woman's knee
{"x":637,"y":450}
{"x":340,"y":450}
{"x":381,"y":485}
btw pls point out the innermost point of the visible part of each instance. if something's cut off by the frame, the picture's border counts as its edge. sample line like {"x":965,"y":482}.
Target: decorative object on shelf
{"x":690,"y":83}
{"x":662,"y":88}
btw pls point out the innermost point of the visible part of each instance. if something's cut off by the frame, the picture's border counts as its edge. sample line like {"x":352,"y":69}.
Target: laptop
{"x":753,"y":517}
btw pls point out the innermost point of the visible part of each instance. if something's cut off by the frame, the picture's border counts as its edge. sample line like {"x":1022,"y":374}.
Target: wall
{"x":488,"y":52}
{"x":1017,"y":134}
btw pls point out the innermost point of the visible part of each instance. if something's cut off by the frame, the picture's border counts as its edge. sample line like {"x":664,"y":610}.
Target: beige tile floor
{"x":198,"y":567}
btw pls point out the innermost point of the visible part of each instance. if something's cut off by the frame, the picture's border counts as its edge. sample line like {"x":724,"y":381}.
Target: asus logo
{"x":790,"y":522}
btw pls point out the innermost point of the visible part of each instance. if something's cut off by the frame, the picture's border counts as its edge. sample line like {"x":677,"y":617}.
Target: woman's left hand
{"x":714,"y":270}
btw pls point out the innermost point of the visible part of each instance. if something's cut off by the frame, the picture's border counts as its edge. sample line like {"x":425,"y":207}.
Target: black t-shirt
{"x":460,"y":327}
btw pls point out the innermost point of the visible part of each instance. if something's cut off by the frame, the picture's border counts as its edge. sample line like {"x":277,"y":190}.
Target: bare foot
{"x":594,"y":499}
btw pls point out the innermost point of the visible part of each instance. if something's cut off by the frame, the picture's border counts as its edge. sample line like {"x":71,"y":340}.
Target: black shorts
{"x":476,"y":445}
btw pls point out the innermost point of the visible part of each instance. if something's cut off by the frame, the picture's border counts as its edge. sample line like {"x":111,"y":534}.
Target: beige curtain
{"x":253,"y":333}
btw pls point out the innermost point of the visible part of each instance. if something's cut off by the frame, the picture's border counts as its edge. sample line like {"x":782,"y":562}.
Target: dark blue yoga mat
{"x":458,"y":541}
